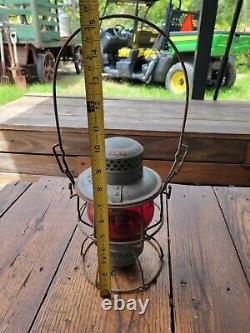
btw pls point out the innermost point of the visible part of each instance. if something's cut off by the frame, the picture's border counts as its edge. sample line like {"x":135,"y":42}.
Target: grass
{"x":239,"y":92}
{"x":9,"y":93}
{"x":72,"y":85}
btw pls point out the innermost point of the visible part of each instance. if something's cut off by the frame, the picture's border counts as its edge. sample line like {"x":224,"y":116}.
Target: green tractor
{"x":139,"y":53}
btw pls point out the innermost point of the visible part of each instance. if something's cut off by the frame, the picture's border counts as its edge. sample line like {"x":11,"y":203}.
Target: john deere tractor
{"x":141,"y":54}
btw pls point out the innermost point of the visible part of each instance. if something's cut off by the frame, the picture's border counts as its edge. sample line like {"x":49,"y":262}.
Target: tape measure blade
{"x":90,"y":27}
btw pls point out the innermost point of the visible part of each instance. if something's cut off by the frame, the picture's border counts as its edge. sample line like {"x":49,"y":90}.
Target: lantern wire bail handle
{"x":182,"y":148}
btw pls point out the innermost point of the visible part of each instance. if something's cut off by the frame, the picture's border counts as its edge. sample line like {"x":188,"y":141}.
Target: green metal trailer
{"x":34,"y":31}
{"x":187,"y":42}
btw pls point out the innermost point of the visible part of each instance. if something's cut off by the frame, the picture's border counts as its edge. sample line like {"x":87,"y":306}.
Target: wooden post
{"x":36,"y":23}
{"x":202,"y":58}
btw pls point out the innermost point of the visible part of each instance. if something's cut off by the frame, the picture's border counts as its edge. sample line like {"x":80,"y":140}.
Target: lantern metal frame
{"x":180,"y":155}
{"x":144,"y":237}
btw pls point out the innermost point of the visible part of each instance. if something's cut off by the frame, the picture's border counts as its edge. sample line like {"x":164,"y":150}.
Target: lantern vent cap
{"x":129,"y":182}
{"x":124,"y":160}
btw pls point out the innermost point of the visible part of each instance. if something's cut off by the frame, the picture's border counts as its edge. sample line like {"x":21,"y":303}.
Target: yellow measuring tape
{"x":90,"y":28}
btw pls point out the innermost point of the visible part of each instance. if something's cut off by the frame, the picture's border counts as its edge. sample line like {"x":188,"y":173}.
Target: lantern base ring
{"x":145,"y":282}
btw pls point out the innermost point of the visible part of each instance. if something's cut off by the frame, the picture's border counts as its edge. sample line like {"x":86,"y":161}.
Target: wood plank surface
{"x":200,"y":149}
{"x":191,"y":172}
{"x":13,"y":178}
{"x":235,"y":205}
{"x":247,"y":157}
{"x":159,"y":116}
{"x":43,"y":288}
{"x":205,"y":173}
{"x":157,"y":123}
{"x":217,"y":133}
{"x":74,"y":305}
{"x":33,"y":237}
{"x":40,"y":164}
{"x":10,"y":194}
{"x":210,"y":291}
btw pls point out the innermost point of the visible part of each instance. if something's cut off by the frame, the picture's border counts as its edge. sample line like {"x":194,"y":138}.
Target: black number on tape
{"x":91,"y":106}
{"x":97,"y":148}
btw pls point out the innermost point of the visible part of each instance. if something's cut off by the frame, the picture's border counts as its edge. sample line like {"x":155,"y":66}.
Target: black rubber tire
{"x":78,"y":58}
{"x":230,"y":75}
{"x":177,"y":68}
{"x":45,"y":66}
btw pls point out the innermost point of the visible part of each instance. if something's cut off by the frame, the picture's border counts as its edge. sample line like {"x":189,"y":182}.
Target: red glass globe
{"x":125,"y":223}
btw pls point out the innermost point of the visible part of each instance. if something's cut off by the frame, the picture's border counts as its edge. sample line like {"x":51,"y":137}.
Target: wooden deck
{"x":203,"y":287}
{"x":218,"y":134}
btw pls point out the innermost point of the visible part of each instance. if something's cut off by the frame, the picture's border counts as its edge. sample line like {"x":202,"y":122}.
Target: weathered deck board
{"x":202,"y":288}
{"x":235,"y":204}
{"x":218,"y":135}
{"x":143,"y":115}
{"x":13,"y":178}
{"x":33,"y":237}
{"x":210,"y":290}
{"x":191,"y":172}
{"x":40,"y":164}
{"x":200,"y":150}
{"x":66,"y":310}
{"x":10,"y":194}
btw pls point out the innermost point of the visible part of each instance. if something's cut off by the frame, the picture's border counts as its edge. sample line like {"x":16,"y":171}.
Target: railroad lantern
{"x":132,"y":189}
{"x":135,"y":193}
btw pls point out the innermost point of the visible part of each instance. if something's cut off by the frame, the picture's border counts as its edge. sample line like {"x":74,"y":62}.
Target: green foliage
{"x":158,"y":12}
{"x":226,"y":11}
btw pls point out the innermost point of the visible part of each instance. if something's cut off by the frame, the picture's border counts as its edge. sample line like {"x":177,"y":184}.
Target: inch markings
{"x":90,"y":28}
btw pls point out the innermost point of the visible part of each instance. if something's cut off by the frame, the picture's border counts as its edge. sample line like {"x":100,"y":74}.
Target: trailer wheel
{"x":230,"y":75}
{"x":45,"y":66}
{"x":175,"y":78}
{"x":78,"y":59}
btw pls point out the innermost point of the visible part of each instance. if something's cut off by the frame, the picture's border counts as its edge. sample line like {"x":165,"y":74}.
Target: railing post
{"x":202,"y":58}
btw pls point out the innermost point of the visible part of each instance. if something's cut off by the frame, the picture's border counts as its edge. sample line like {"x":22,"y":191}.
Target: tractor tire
{"x":45,"y":66}
{"x":175,"y":79}
{"x":230,"y":75}
{"x":78,"y":59}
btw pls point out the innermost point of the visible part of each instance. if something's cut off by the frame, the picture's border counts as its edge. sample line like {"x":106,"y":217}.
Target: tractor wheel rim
{"x":178,"y":82}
